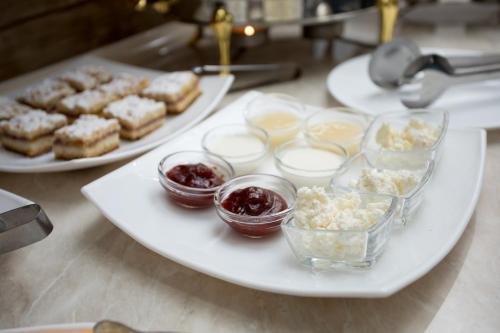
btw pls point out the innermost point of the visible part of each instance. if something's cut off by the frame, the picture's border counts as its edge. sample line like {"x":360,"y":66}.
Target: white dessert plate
{"x":213,"y":90}
{"x":200,"y":240}
{"x":471,"y":105}
{"x":59,"y":328}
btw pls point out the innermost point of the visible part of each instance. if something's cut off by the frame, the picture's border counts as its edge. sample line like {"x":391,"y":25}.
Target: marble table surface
{"x":87,"y":269}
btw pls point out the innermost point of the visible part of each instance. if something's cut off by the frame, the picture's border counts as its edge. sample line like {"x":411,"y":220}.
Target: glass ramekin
{"x":267,"y":103}
{"x":256,"y":226}
{"x":304,"y":177}
{"x":243,"y":163}
{"x":390,"y":159}
{"x":407,"y":203}
{"x":341,"y":249}
{"x":191,"y":197}
{"x":340,"y":115}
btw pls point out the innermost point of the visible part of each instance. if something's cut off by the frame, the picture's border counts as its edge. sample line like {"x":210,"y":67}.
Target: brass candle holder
{"x":388,"y":11}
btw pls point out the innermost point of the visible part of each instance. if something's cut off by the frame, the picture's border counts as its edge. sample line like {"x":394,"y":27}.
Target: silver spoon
{"x":108,"y":326}
{"x":428,"y":85}
{"x":390,"y":61}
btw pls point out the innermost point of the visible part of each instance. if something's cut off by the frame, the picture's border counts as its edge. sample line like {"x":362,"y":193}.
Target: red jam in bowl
{"x":198,"y":177}
{"x":194,"y":175}
{"x":255,"y":202}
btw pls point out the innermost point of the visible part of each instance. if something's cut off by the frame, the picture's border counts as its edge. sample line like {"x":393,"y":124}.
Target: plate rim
{"x":382,"y":292}
{"x":36,"y":328}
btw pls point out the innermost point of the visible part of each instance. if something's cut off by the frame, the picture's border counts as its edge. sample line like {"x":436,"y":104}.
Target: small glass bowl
{"x":191,"y":197}
{"x":303,"y":176}
{"x":256,"y":226}
{"x":242,"y":162}
{"x":268,"y":103}
{"x":338,"y":115}
{"x":341,"y":249}
{"x":407,"y":203}
{"x":417,"y":158}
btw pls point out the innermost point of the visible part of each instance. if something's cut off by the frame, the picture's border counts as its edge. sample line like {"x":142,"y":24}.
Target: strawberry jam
{"x":194,"y":175}
{"x":254,"y":201}
{"x":256,"y":207}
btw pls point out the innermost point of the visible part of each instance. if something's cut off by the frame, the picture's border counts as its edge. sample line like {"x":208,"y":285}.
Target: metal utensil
{"x":389,"y":63}
{"x":428,"y":85}
{"x":22,"y":226}
{"x":249,"y":76}
{"x":108,"y":326}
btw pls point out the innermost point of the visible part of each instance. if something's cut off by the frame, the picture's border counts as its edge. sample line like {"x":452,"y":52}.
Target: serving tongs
{"x":23,"y":226}
{"x":254,"y":75}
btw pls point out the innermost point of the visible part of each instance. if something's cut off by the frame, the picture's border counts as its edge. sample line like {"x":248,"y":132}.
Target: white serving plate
{"x":199,"y":240}
{"x":471,"y":105}
{"x":213,"y":90}
{"x":59,"y":328}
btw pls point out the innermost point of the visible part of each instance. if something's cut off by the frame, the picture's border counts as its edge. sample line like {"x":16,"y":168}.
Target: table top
{"x":87,"y":269}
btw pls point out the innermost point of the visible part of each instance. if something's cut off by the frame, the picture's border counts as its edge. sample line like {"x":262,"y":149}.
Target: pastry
{"x":137,"y":116}
{"x":9,"y":108}
{"x":87,"y":77}
{"x":124,"y":85}
{"x":31,"y":133}
{"x":178,"y":90}
{"x":46,"y":94}
{"x":88,"y":101}
{"x":88,"y":136}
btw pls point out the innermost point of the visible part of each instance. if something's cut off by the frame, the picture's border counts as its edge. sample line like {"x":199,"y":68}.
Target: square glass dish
{"x":410,"y":194}
{"x":326,"y":249}
{"x":402,"y":157}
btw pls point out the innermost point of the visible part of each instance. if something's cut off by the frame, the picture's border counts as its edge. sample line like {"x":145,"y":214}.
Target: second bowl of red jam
{"x":192,"y":177}
{"x":255,"y":205}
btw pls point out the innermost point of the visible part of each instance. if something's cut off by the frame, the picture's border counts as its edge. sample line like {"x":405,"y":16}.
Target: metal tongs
{"x":253,"y":75}
{"x":422,"y":78}
{"x":23,"y":226}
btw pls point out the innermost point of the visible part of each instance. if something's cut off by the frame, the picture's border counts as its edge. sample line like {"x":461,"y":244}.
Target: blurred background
{"x":180,"y":33}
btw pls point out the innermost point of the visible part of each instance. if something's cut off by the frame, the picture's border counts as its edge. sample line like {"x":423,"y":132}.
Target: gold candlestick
{"x":222,"y":25}
{"x":388,"y":10}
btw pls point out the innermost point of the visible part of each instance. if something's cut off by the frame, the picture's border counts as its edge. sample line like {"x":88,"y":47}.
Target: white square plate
{"x":132,"y":198}
{"x":213,"y":90}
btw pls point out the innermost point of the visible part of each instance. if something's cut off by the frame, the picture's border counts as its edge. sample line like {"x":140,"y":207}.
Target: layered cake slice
{"x":101,"y":74}
{"x":88,"y":101}
{"x":125,"y":84}
{"x":31,"y":133}
{"x":9,"y":108}
{"x":46,"y":94}
{"x":88,"y":136}
{"x":137,"y":116}
{"x":177,"y":89}
{"x":87,"y":77}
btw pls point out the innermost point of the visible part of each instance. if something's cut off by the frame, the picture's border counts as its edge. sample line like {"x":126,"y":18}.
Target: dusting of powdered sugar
{"x":35,"y":120}
{"x":171,"y":83}
{"x":133,"y":108}
{"x":87,"y":126}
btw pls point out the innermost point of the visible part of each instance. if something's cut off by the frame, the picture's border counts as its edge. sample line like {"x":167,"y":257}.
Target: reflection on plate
{"x":213,"y":90}
{"x":200,"y":240}
{"x":472,"y":105}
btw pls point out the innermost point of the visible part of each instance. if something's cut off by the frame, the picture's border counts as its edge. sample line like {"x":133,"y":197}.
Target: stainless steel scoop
{"x":23,"y":226}
{"x":389,"y":63}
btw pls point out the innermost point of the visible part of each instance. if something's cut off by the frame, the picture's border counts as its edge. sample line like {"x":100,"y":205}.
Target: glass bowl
{"x":407,"y":203}
{"x":341,"y":249}
{"x":304,"y":163}
{"x":243,"y":146}
{"x":191,"y":197}
{"x":343,"y":126}
{"x":256,"y":226}
{"x":278,"y":114}
{"x":385,"y":158}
